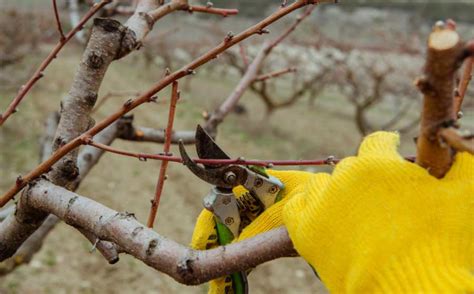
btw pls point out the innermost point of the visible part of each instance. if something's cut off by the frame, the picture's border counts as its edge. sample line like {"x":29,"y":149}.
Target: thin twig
{"x":463,"y":84}
{"x":147,"y":97}
{"x":267,"y":163}
{"x":219,"y":11}
{"x":457,"y":141}
{"x":12,"y":107}
{"x":111,"y":94}
{"x":274,"y":74}
{"x":166,"y":149}
{"x":174,"y":5}
{"x":288,"y":31}
{"x":245,"y":59}
{"x":58,"y":21}
{"x":177,"y":5}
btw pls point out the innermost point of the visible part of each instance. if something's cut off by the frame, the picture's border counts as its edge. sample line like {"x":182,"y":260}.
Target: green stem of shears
{"x":225,"y":237}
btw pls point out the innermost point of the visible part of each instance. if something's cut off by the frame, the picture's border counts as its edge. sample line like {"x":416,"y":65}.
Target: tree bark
{"x":443,"y":59}
{"x":185,"y":265}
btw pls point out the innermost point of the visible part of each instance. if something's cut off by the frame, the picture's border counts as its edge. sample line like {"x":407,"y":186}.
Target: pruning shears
{"x":232,"y":215}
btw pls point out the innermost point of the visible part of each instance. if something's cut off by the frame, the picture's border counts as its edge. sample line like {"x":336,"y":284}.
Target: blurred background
{"x":355,"y":65}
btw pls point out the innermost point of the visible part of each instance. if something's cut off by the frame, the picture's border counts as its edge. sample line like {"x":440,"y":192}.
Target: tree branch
{"x":461,"y":144}
{"x":173,"y":6}
{"x":206,"y":9}
{"x":166,"y":150}
{"x":127,"y":131}
{"x":274,"y":74}
{"x":88,"y":157}
{"x":109,"y":95}
{"x":463,"y":84}
{"x":58,"y":21}
{"x":181,"y":263}
{"x":444,"y":55}
{"x":266,"y":163}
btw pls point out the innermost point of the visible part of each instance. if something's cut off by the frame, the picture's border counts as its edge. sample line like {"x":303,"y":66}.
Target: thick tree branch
{"x":88,"y":157}
{"x":181,"y":263}
{"x":444,"y":56}
{"x":110,"y":251}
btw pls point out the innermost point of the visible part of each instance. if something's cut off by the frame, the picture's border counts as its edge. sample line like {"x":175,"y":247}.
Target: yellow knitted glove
{"x":382,"y":224}
{"x":205,"y":236}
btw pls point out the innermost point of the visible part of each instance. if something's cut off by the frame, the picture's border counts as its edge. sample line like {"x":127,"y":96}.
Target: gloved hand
{"x":205,"y":236}
{"x":382,"y":224}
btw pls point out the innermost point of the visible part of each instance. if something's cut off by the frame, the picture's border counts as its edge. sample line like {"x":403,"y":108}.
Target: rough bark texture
{"x":88,"y":157}
{"x":183,"y":264}
{"x":102,"y":49}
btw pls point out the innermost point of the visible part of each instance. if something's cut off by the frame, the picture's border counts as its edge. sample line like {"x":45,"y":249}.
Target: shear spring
{"x":250,"y":207}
